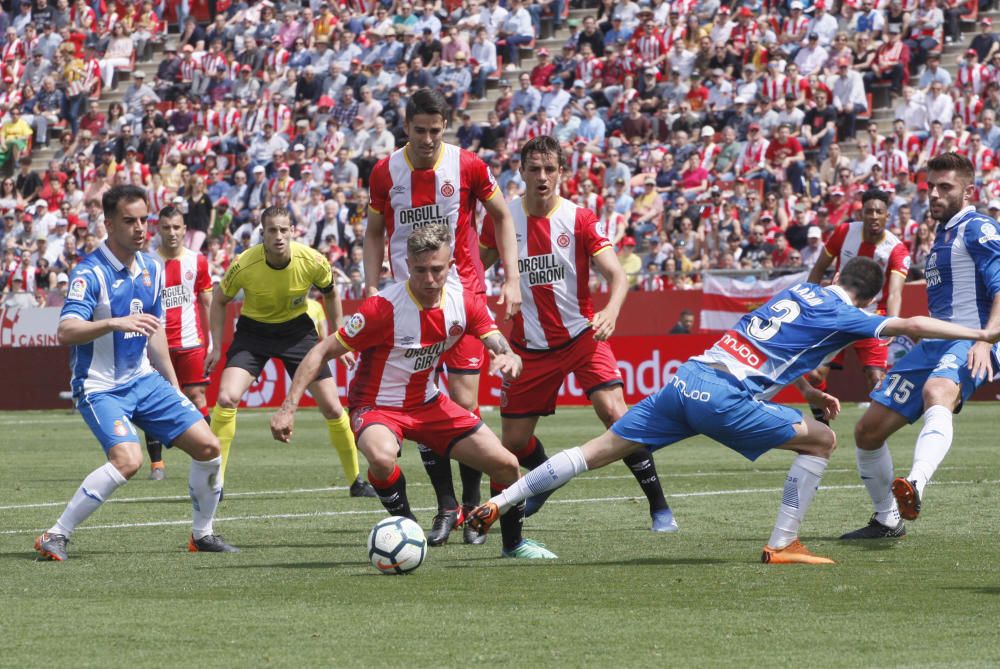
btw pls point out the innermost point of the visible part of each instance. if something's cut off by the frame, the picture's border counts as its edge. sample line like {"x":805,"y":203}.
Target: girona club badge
{"x":447,"y":189}
{"x":455,"y":329}
{"x":562,"y":240}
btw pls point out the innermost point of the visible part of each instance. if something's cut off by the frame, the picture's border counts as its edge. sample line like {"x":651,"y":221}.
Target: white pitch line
{"x":584,"y":500}
{"x":167,"y":498}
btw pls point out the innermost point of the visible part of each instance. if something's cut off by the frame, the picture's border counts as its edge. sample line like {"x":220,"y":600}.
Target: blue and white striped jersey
{"x":101,"y":287}
{"x":963,"y":269}
{"x":794,"y":333}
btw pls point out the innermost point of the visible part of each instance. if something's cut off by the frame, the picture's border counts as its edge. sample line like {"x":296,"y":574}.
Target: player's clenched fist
{"x":282,"y":424}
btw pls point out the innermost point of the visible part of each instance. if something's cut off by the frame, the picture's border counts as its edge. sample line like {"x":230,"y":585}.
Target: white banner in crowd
{"x":728,"y":299}
{"x":28,"y":327}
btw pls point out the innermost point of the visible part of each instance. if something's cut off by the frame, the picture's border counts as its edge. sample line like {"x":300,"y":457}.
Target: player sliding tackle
{"x":401,"y":334}
{"x":724,"y":393}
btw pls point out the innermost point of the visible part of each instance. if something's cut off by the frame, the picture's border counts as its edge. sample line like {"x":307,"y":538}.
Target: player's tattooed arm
{"x":502,"y":358}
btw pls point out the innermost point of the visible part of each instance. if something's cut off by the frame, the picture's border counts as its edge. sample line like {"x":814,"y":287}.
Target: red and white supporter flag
{"x":727,"y":299}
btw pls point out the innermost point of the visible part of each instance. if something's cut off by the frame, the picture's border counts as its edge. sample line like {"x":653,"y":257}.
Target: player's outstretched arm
{"x":283,"y":421}
{"x":217,"y":321}
{"x":817,"y":398}
{"x":76,"y":331}
{"x":510,"y":294}
{"x":502,"y":358}
{"x":607,"y":266}
{"x":927,"y":327}
{"x":373,"y":252}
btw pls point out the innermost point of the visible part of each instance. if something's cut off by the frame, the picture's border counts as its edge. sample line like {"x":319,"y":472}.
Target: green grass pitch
{"x":301,"y":593}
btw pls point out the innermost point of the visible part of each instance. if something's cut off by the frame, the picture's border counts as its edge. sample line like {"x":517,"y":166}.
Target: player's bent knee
{"x":227,"y":401}
{"x":867,"y":434}
{"x":127,"y":464}
{"x":941,"y":392}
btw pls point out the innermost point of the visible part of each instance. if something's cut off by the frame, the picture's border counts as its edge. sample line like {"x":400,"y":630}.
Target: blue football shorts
{"x":902,"y":388}
{"x":149,"y":403}
{"x":703,"y":400}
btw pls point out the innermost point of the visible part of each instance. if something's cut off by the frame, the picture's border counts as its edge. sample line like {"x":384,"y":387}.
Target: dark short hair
{"x":953,"y":162}
{"x":543,"y":144}
{"x":861,"y":276}
{"x":170,"y":211}
{"x":875,"y":194}
{"x":123,"y":193}
{"x":274,"y":212}
{"x":427,"y":101}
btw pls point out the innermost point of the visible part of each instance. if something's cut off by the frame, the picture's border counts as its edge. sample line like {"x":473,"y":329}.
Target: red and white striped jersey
{"x":229,"y":120}
{"x":185,"y":277}
{"x":610,"y":224}
{"x":891,"y":254}
{"x":554,"y":255}
{"x":85,"y":82}
{"x":792,"y":27}
{"x":621,"y":102}
{"x":984,"y":161}
{"x":278,"y":59}
{"x":211,"y":62}
{"x":277,"y":185}
{"x":893,"y":162}
{"x":787,"y":206}
{"x":136,"y":174}
{"x":674,"y":36}
{"x":195,"y":146}
{"x":10,"y":98}
{"x":972,"y":76}
{"x":577,"y":158}
{"x":411,"y":198}
{"x":280,"y":116}
{"x":539,"y":129}
{"x":401,"y":343}
{"x":744,"y":33}
{"x":707,"y":155}
{"x":752,"y":157}
{"x":875,"y":143}
{"x":188,"y":68}
{"x":776,"y":87}
{"x":649,"y":46}
{"x":13,"y":50}
{"x":158,"y":199}
{"x":968,"y":110}
{"x":589,"y":70}
{"x":932,"y":147}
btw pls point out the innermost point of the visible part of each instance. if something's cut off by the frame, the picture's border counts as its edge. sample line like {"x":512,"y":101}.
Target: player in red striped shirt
{"x":867,"y":238}
{"x":401,"y":334}
{"x":187,"y":296}
{"x":429,"y":181}
{"x":557,"y":332}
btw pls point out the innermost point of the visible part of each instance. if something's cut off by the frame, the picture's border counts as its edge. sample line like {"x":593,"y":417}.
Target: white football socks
{"x":549,"y":475}
{"x":204,"y":486}
{"x":99,"y":485}
{"x":875,"y":468}
{"x":932,"y":445}
{"x":800,"y":486}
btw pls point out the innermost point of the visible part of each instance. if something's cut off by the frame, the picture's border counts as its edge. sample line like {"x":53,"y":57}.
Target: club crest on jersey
{"x":455,"y":329}
{"x":989,"y":233}
{"x":358,"y":420}
{"x":146,"y":281}
{"x":354,"y":325}
{"x":77,"y":289}
{"x":189,"y":275}
{"x":562,"y":240}
{"x":447,"y":189}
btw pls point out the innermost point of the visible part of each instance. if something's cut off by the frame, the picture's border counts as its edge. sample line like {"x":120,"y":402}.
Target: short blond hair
{"x":428,"y":238}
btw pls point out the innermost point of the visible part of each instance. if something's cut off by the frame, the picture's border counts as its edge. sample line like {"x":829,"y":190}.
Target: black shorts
{"x":254,"y":343}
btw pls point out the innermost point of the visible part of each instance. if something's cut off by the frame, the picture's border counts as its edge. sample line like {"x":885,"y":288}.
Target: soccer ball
{"x":396,"y":545}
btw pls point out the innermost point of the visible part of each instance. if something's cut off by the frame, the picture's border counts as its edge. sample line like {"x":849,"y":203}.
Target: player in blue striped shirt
{"x":112,"y":316}
{"x":935,"y":377}
{"x":725,"y":394}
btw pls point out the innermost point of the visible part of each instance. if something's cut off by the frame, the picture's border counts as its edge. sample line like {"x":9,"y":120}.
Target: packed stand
{"x":707,"y":136}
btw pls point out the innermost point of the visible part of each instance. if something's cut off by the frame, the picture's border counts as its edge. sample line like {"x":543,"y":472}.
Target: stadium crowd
{"x":706,"y":135}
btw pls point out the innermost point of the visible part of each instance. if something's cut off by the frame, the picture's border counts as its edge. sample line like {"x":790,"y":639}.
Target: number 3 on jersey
{"x":763,"y":330}
{"x":901,"y":386}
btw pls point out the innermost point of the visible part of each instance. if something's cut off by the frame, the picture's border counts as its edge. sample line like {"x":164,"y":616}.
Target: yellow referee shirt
{"x":276,"y":295}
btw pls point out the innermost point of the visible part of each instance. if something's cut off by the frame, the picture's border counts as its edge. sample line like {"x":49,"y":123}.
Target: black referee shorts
{"x":254,"y":343}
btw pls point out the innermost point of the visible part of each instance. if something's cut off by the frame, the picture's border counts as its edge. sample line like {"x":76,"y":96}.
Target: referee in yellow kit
{"x":275,"y":277}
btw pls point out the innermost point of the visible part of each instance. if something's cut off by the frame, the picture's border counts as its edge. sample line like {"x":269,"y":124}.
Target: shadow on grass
{"x":287,"y":565}
{"x":569,"y":562}
{"x":982,"y":590}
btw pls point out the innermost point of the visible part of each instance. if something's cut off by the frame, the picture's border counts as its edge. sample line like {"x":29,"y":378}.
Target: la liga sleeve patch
{"x":354,"y":325}
{"x":77,"y":289}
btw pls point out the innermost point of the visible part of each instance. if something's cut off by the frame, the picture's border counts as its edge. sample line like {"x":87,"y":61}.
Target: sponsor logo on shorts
{"x":447,"y":189}
{"x":697,"y":395}
{"x":77,"y":289}
{"x":120,"y":429}
{"x":354,"y":325}
{"x":947,"y":361}
{"x":740,"y":349}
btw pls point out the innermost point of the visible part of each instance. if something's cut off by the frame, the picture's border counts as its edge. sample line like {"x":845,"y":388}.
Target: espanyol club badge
{"x":447,"y":189}
{"x":146,"y":281}
{"x":562,"y":240}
